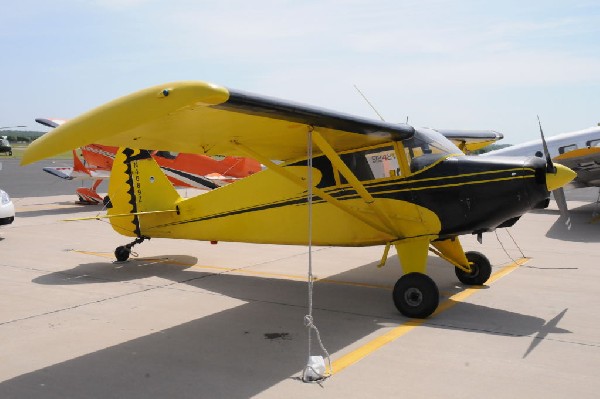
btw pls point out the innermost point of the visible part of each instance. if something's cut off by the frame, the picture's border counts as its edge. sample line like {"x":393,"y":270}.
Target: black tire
{"x":481,"y":269}
{"x":122,"y":253}
{"x":416,"y":295}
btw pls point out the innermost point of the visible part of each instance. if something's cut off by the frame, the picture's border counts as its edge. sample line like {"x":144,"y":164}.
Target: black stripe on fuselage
{"x":195,"y":178}
{"x":401,"y":189}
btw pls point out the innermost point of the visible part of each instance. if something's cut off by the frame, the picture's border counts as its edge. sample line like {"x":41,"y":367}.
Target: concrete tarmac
{"x":188,"y":319}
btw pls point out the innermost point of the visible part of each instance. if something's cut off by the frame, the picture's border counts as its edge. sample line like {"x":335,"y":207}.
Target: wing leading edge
{"x":471,"y":140}
{"x":203,"y":118}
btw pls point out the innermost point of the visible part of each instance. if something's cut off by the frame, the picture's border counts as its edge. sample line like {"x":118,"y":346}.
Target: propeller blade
{"x":559,"y":197}
{"x":549,"y":164}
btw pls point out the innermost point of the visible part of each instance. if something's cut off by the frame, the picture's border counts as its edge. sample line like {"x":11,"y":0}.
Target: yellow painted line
{"x":101,"y":254}
{"x":397,"y":332}
{"x":368,"y":348}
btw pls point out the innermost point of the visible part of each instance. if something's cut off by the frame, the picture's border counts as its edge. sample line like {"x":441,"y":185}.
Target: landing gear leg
{"x":122,"y":252}
{"x":481,"y":269}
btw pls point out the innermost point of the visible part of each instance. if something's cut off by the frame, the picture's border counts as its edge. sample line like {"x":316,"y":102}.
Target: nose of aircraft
{"x":562,"y":176}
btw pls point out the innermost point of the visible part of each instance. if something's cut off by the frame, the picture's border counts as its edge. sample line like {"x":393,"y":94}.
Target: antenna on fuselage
{"x":369,"y":102}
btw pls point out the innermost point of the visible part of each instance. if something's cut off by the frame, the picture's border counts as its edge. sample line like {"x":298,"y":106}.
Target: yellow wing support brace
{"x":300,"y":181}
{"x":452,"y":251}
{"x":336,"y":161}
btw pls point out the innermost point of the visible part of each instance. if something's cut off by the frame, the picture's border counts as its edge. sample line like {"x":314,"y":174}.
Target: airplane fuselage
{"x":557,"y":145}
{"x":435,"y":195}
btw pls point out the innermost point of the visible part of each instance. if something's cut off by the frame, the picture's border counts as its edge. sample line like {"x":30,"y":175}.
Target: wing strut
{"x":301,"y":182}
{"x":335,"y":159}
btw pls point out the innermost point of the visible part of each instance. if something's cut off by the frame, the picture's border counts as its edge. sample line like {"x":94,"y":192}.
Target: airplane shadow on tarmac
{"x":578,"y":226}
{"x":234,"y":353}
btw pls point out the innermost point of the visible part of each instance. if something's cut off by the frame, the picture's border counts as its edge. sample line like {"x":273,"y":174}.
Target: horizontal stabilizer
{"x":98,"y":217}
{"x":471,"y":140}
{"x":63,"y":173}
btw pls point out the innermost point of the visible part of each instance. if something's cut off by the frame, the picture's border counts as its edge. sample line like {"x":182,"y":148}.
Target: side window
{"x":383,"y":162}
{"x":567,"y":148}
{"x":421,"y":154}
{"x":375,"y":163}
{"x":593,"y":143}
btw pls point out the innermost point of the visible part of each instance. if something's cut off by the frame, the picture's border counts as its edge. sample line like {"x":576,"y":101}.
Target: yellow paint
{"x":413,"y":254}
{"x":452,"y":251}
{"x":384,"y":257}
{"x":337,"y":162}
{"x":302,"y":182}
{"x":126,"y":118}
{"x":271,"y":216}
{"x":186,"y":121}
{"x":399,"y":331}
{"x":562,"y":176}
{"x":580,"y":152}
{"x":470,"y":146}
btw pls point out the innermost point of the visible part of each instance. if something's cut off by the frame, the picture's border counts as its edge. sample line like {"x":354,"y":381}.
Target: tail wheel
{"x":416,"y":295}
{"x":122,"y":253}
{"x":481,"y":269}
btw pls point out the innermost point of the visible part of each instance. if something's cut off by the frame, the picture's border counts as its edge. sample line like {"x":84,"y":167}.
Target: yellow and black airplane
{"x":363,"y":182}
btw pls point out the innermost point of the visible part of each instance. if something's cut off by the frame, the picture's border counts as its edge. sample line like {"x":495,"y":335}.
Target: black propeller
{"x":549,"y":164}
{"x":559,"y":194}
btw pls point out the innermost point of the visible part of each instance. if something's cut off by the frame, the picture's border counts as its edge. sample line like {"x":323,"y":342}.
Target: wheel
{"x":122,"y":253}
{"x":416,"y":295}
{"x":480,"y":269}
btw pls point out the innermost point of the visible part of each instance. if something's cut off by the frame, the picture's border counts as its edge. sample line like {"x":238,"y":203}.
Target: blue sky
{"x":444,"y":64}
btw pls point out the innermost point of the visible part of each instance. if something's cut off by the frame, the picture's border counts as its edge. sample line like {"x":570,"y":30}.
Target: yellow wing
{"x":471,"y":140}
{"x":204,"y":118}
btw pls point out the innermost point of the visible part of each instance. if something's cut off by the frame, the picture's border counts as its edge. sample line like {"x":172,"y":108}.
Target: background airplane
{"x":579,"y":150}
{"x":182,"y":169}
{"x":5,"y":146}
{"x":358,"y":182}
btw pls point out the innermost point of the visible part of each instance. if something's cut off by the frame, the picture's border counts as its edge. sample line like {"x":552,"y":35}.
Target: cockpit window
{"x":374,"y":163}
{"x":425,"y":148}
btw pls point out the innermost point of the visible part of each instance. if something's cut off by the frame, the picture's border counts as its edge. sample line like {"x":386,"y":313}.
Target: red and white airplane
{"x":183,"y":170}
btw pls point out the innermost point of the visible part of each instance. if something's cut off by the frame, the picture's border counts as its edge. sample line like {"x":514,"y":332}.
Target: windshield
{"x":426,"y":147}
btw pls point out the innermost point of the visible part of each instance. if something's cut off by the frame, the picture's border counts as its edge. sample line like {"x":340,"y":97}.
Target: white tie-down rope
{"x":310,"y":374}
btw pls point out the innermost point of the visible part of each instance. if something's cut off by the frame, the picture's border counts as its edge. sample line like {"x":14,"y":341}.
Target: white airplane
{"x":579,"y":151}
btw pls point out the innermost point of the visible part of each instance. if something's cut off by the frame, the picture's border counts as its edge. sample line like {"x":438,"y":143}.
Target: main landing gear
{"x":481,"y":269}
{"x":122,"y":252}
{"x":416,"y":295}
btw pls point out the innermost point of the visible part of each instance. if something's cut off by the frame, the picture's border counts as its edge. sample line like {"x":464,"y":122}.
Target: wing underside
{"x":203,"y":118}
